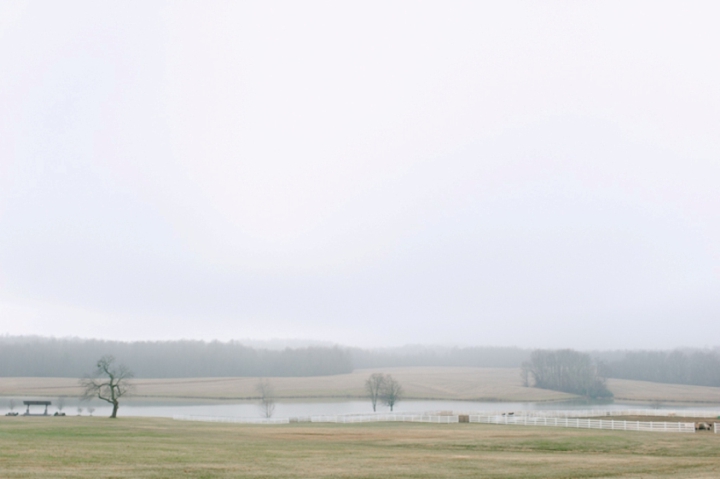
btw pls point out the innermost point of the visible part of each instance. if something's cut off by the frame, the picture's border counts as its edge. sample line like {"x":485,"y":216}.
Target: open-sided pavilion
{"x":36,"y":403}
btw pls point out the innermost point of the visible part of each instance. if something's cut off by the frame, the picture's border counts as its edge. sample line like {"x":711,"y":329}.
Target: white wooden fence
{"x":439,"y":419}
{"x":606,"y":412}
{"x":475,"y":418}
{"x":716,"y":427}
{"x":341,"y":419}
{"x":587,"y":423}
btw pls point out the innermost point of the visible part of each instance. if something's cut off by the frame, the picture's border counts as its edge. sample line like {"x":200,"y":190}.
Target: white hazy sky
{"x":539,"y":174}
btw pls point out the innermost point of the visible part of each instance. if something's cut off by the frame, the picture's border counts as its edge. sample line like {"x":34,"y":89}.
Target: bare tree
{"x":267,"y":397}
{"x":60,"y":406}
{"x":91,"y":410}
{"x":110,"y":382}
{"x":80,"y":410}
{"x":391,"y":391}
{"x":525,"y":373}
{"x":374,"y":387}
{"x":12,"y":405}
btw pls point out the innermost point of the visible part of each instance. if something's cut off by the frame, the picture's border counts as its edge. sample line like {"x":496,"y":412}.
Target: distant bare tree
{"x":91,"y":410}
{"x":80,"y":410}
{"x":525,"y":373}
{"x":60,"y":402}
{"x":391,"y":391}
{"x":267,"y":397}
{"x":373,"y":387}
{"x":11,"y":403}
{"x":110,"y":382}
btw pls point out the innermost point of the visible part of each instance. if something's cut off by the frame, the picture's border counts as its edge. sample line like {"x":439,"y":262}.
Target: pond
{"x":284,"y":409}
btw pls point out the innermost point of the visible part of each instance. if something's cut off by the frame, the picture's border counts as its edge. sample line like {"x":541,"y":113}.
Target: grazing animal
{"x":702,"y":426}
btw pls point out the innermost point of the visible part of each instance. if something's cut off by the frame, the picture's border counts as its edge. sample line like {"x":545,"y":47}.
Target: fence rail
{"x":340,"y":419}
{"x":587,"y":423}
{"x":604,"y":412}
{"x":439,"y":419}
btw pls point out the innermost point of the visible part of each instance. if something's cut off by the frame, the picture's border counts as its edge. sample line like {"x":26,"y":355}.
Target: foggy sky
{"x":539,"y":174}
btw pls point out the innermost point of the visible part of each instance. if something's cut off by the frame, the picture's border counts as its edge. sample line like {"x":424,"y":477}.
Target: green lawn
{"x":83,"y":447}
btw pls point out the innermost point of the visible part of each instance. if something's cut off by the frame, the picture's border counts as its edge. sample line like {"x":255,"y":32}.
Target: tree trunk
{"x":114,"y":411}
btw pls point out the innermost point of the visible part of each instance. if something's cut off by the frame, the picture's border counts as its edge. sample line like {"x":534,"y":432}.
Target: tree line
{"x":50,"y":357}
{"x":53,"y":357}
{"x":68,"y":357}
{"x":694,"y":367}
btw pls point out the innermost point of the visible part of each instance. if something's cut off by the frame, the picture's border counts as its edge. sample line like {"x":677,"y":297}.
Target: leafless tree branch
{"x":109,"y":383}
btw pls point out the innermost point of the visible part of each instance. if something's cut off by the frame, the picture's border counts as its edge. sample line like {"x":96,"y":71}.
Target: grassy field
{"x":83,"y":447}
{"x":481,"y":384}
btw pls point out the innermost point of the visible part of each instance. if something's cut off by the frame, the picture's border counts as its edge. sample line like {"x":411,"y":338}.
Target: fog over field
{"x":369,"y":174}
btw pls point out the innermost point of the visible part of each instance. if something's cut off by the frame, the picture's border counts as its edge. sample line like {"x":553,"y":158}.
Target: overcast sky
{"x":540,"y":174}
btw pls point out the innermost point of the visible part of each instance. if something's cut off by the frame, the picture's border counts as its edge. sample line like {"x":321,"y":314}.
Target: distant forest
{"x":700,"y":368}
{"x":46,"y":357}
{"x":51,"y":357}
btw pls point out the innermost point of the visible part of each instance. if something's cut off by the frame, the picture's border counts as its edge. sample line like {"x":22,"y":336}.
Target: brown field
{"x":484,"y":384}
{"x":626,"y":390}
{"x":481,"y":384}
{"x":84,"y":447}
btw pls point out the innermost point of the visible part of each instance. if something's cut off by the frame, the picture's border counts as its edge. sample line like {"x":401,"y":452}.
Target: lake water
{"x":136,"y":407}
